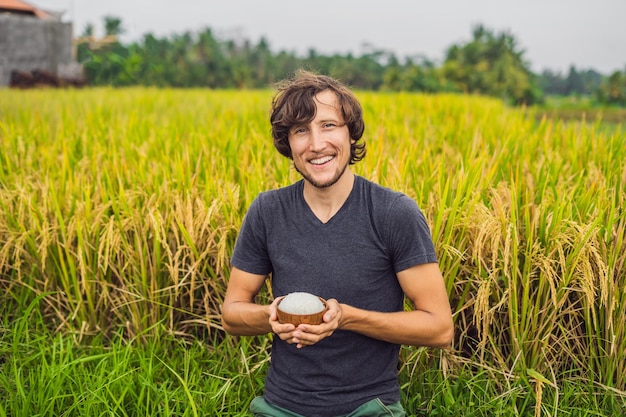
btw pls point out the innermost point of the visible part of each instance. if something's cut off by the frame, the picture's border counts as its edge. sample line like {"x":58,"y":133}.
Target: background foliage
{"x":490,"y":64}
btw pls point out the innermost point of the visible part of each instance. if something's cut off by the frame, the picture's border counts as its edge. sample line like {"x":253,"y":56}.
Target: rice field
{"x":119,"y":209}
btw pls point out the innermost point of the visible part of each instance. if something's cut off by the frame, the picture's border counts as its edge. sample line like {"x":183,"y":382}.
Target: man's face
{"x":321,"y":148}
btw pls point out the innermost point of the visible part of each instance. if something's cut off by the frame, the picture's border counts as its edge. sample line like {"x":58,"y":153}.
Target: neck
{"x":325,"y":202}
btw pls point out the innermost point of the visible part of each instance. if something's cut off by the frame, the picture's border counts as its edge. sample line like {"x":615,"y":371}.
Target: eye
{"x":299,"y":130}
{"x":329,"y":125}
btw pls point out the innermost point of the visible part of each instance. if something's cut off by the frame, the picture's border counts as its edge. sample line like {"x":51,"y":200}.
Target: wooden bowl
{"x":296,"y":319}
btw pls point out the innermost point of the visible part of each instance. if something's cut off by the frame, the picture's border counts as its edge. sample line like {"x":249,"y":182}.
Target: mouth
{"x":321,"y":161}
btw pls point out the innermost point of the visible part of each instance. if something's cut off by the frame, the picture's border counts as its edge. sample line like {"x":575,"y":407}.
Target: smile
{"x":321,"y":161}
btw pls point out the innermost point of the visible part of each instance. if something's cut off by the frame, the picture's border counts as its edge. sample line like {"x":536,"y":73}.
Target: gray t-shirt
{"x":354,"y":257}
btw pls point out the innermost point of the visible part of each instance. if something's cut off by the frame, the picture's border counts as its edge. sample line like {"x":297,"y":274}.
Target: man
{"x":358,"y":245}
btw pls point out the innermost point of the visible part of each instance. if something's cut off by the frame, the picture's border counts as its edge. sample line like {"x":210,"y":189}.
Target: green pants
{"x":373,"y":408}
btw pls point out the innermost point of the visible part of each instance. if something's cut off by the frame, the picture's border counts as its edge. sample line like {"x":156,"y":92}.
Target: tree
{"x":613,"y":89}
{"x":574,"y":83}
{"x":583,"y":82}
{"x":113,"y":26}
{"x":552,"y":83}
{"x":89,"y":31}
{"x":491,"y":64}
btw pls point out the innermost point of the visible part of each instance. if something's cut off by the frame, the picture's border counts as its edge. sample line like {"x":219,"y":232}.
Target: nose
{"x":316,"y":139}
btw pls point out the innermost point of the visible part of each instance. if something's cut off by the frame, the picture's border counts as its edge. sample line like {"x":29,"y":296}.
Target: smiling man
{"x":362,"y":247}
{"x":320,"y":148}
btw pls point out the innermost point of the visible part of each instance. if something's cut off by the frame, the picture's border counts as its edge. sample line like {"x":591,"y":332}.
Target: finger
{"x":307,"y":338}
{"x":273,"y":312}
{"x":329,"y":316}
{"x":282,"y":329}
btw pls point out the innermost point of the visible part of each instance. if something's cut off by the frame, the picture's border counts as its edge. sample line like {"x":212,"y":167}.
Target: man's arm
{"x":429,"y":324}
{"x":241,"y":316}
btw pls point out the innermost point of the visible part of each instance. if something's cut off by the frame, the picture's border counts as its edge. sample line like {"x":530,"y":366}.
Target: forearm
{"x":240,"y":318}
{"x":416,"y":328}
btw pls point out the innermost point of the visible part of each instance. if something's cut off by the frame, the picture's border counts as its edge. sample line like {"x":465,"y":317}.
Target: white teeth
{"x":321,"y":161}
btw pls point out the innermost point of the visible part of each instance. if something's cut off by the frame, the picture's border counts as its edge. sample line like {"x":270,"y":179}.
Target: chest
{"x":343,"y":260}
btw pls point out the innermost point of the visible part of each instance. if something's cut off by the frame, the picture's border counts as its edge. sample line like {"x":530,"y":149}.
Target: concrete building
{"x":34,"y":40}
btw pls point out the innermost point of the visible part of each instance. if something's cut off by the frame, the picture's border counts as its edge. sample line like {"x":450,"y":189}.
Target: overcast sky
{"x":553,"y":33}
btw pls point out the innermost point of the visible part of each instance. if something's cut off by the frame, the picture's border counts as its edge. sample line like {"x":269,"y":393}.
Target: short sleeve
{"x":408,"y":235}
{"x":250,"y":253}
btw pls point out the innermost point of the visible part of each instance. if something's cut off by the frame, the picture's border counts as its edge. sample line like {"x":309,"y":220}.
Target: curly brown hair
{"x":294,"y":104}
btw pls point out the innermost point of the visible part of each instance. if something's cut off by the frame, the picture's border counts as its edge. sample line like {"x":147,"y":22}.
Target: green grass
{"x":48,"y":374}
{"x":580,"y":108}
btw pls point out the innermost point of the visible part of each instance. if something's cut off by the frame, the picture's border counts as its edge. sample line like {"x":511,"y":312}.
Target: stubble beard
{"x":318,"y":184}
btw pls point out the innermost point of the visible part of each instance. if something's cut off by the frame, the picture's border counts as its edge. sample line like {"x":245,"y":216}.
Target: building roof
{"x":22,"y":8}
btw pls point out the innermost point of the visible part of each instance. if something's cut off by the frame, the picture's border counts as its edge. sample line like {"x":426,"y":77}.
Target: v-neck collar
{"x":311,"y":214}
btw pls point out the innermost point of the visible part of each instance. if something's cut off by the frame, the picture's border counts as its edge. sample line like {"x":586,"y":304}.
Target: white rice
{"x":301,"y":303}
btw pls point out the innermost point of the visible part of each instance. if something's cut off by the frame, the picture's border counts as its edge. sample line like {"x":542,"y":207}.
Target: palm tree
{"x":492,"y":65}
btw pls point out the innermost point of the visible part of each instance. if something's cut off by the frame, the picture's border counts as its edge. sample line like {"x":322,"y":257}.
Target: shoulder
{"x":384,"y":198}
{"x":273,"y":206}
{"x":390,"y":211}
{"x":271,"y":199}
{"x":393,"y":212}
